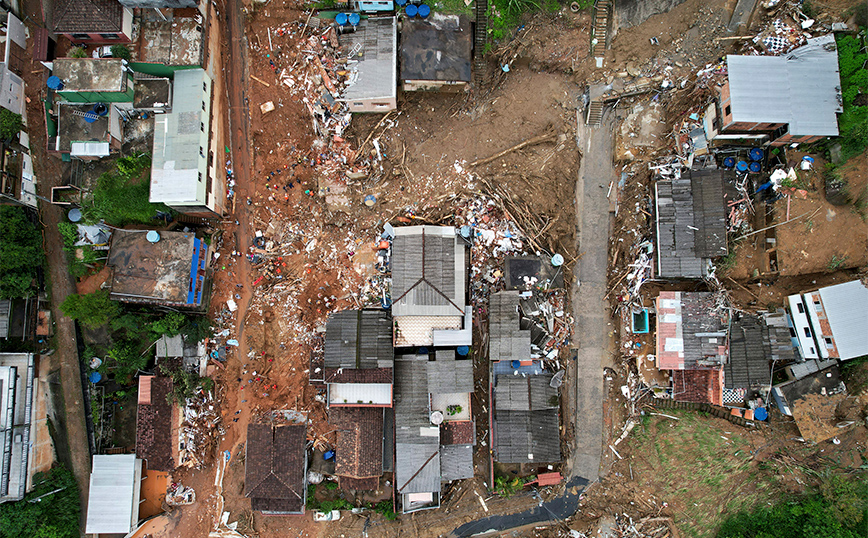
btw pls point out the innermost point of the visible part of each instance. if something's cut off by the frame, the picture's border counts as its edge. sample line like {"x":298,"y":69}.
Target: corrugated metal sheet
{"x":845,"y":307}
{"x":801,"y":88}
{"x":447,"y":375}
{"x":749,"y":354}
{"x":507,"y":342}
{"x":113,"y":497}
{"x":377,"y":65}
{"x":456,"y":462}
{"x":417,"y":441}
{"x":359,"y":339}
{"x":527,"y":437}
{"x":689,"y":333}
{"x":428,"y":272}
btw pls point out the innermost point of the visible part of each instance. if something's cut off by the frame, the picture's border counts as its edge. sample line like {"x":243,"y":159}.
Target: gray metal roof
{"x":527,"y":436}
{"x":691,"y":223}
{"x":777,"y":338}
{"x":428,"y":272}
{"x":749,"y":354}
{"x":507,"y":341}
{"x":525,"y":393}
{"x":417,"y":441}
{"x":377,"y":65}
{"x":447,"y":375}
{"x":359,"y":339}
{"x":456,"y":462}
{"x":846,"y":307}
{"x":801,"y":88}
{"x":437,"y":48}
{"x":113,"y":496}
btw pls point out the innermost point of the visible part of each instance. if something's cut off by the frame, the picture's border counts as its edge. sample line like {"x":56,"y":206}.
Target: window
{"x":727,"y":111}
{"x":200,"y":177}
{"x":793,"y":332}
{"x":202,"y":126}
{"x":205,"y":87}
{"x":801,"y":308}
{"x":829,"y":343}
{"x":109,"y":36}
{"x":807,"y":332}
{"x":818,"y":306}
{"x":81,"y":36}
{"x":358,"y":104}
{"x":203,"y":105}
{"x":201,"y":152}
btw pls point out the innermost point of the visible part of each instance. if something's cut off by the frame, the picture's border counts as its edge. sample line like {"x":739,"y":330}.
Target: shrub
{"x":92,"y":309}
{"x":10,"y":124}
{"x":122,"y":196}
{"x":20,"y":253}
{"x":55,"y":515}
{"x":77,"y":52}
{"x":121,"y":51}
{"x":169,"y":325}
{"x":853,"y":123}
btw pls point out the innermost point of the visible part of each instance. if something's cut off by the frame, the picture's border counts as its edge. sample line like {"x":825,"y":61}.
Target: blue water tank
{"x":355,"y":19}
{"x":729,"y":162}
{"x":424,"y":10}
{"x":341,"y":18}
{"x":94,"y":377}
{"x":462,"y":350}
{"x":741,"y":166}
{"x":90,"y":117}
{"x":760,"y":413}
{"x":516,"y":364}
{"x":401,"y":2}
{"x":329,"y":454}
{"x":55,"y":83}
{"x":411,"y":10}
{"x":756,"y":154}
{"x":423,"y":351}
{"x":754,"y":167}
{"x":100,"y":109}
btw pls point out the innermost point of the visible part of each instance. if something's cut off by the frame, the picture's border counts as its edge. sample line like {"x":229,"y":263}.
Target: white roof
{"x":113,"y":499}
{"x":360,"y":393}
{"x":846,"y":307}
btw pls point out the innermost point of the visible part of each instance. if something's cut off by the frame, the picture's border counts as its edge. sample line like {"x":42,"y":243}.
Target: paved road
{"x":589,"y":307}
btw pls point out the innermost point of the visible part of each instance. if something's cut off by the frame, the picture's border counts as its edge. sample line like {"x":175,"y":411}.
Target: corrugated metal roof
{"x":428,"y":272}
{"x":377,"y":65}
{"x":179,"y":137}
{"x":749,"y":354}
{"x":359,"y":339}
{"x":113,"y":497}
{"x":417,"y":441}
{"x":507,"y":341}
{"x":525,"y":393}
{"x":456,"y":462}
{"x":845,"y":307}
{"x":801,"y":88}
{"x":527,"y":437}
{"x":447,"y":375}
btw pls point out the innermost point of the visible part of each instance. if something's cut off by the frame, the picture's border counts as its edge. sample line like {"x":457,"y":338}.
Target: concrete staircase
{"x":602,"y":18}
{"x":594,"y":114}
{"x":480,"y":38}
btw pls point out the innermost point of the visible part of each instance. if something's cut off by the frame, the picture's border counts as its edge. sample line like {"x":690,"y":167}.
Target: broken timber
{"x":529,"y":142}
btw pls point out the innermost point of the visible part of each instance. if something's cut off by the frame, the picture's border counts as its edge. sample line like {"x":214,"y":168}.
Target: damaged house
{"x":373,"y":62}
{"x":275,"y":468}
{"x":831,"y":322}
{"x":692,"y":342}
{"x":359,"y":365}
{"x":793,"y":98}
{"x":436,"y":53}
{"x":691,"y":223}
{"x":156,"y":441}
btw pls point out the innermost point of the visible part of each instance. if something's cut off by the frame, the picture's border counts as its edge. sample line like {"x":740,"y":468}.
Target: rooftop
{"x":507,"y":342}
{"x":801,"y":88}
{"x":91,"y":74}
{"x":17,"y":372}
{"x":113,"y":497}
{"x":72,"y":127}
{"x":691,"y":333}
{"x":456,"y":462}
{"x":154,"y":435}
{"x":376,"y":71}
{"x":153,"y":93}
{"x":437,"y":48}
{"x":161,"y":272}
{"x":359,"y":339}
{"x":526,"y":425}
{"x":86,"y":16}
{"x":703,"y":386}
{"x":417,"y":441}
{"x":750,"y":350}
{"x":359,"y":450}
{"x":448,"y":375}
{"x":845,"y":308}
{"x":428,"y":272}
{"x":177,"y":42}
{"x":275,"y":467}
{"x":691,"y":223}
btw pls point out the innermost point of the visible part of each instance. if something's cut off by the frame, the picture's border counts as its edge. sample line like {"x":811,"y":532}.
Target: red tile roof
{"x":154,"y":435}
{"x":274,"y":470}
{"x":458,"y":432}
{"x":88,"y":16}
{"x":359,"y":484}
{"x":366,"y":375}
{"x":549,"y":479}
{"x":359,"y":451}
{"x":703,"y":386}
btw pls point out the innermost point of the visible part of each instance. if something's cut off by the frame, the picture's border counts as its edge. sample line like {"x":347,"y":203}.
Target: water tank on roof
{"x":741,"y":166}
{"x":729,"y":162}
{"x":754,"y":167}
{"x":153,"y":236}
{"x":756,"y":154}
{"x":341,"y":18}
{"x":437,"y":418}
{"x":100,"y":109}
{"x":424,"y":10}
{"x":55,"y":83}
{"x":354,"y":19}
{"x":462,"y":350}
{"x":90,"y":117}
{"x":411,"y":10}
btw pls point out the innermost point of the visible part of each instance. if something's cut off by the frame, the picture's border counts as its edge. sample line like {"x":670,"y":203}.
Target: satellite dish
{"x":153,"y":236}
{"x":74,"y":214}
{"x":557,"y":260}
{"x":437,"y":418}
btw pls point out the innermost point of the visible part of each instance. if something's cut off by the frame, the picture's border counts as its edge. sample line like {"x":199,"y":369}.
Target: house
{"x":171,"y":38}
{"x":691,"y":333}
{"x":526,"y":425}
{"x":359,"y":364}
{"x":755,"y":342}
{"x":14,"y":45}
{"x":436,"y":53}
{"x":691,"y":223}
{"x":114,"y":494}
{"x":193,"y":355}
{"x":160,"y":268}
{"x":17,"y":375}
{"x":783,"y":99}
{"x":94,"y":80}
{"x":94,"y":22}
{"x":831,"y":322}
{"x":152,"y":94}
{"x":159,"y":4}
{"x":155,"y":423}
{"x":373,"y":55}
{"x":431,"y":397}
{"x":429,"y":302}
{"x":183,"y":175}
{"x":275,"y":468}
{"x":85,"y":135}
{"x":819,"y":404}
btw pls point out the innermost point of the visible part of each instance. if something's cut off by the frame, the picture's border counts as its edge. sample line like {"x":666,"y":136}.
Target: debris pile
{"x":178,"y":495}
{"x":199,"y":430}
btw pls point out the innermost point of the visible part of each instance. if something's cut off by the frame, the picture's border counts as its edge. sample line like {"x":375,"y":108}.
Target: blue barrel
{"x":462,"y":350}
{"x":754,"y":167}
{"x":54,"y":83}
{"x":741,"y":166}
{"x":329,"y":454}
{"x":411,"y":10}
{"x":760,"y":413}
{"x":90,"y":117}
{"x":729,"y":162}
{"x":424,"y":10}
{"x":401,"y":2}
{"x":756,"y":154}
{"x":94,"y":377}
{"x":516,"y":364}
{"x":355,"y":18}
{"x":341,"y":18}
{"x":100,"y":109}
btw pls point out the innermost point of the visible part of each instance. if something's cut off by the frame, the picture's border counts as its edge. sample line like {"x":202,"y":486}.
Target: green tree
{"x":853,"y":123}
{"x":122,"y":196}
{"x":169,"y":325}
{"x":10,"y":124}
{"x":92,"y":309}
{"x":120,"y":51}
{"x":20,"y":253}
{"x":55,"y":515}
{"x":127,"y":358}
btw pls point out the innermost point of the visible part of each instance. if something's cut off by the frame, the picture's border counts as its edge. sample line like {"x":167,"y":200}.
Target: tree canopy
{"x":20,"y":253}
{"x":92,"y":309}
{"x":55,"y":515}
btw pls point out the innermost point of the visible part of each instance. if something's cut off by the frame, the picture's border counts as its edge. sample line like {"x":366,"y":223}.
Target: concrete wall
{"x":634,"y":12}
